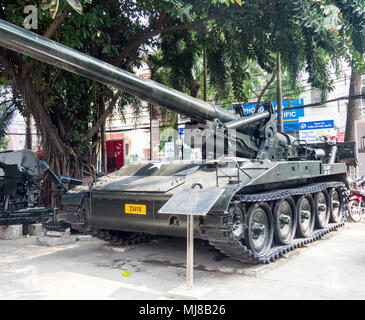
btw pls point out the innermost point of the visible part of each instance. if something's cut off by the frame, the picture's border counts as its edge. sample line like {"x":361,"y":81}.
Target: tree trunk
{"x":263,"y":92}
{"x":34,"y":105}
{"x":28,"y":132}
{"x":195,"y":90}
{"x":54,"y":152}
{"x":353,"y":109}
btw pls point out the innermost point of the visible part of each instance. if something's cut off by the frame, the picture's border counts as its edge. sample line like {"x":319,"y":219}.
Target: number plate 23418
{"x":135,"y":208}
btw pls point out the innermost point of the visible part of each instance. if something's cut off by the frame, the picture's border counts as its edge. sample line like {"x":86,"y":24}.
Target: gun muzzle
{"x":66,"y":179}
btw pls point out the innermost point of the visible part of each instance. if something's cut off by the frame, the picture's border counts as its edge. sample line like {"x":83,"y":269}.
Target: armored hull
{"x":252,"y":214}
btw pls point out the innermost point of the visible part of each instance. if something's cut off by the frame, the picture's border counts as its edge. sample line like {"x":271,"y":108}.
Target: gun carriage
{"x":20,"y":185}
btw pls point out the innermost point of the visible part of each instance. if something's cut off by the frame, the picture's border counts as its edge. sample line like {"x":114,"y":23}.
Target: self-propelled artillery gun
{"x":258,"y":193}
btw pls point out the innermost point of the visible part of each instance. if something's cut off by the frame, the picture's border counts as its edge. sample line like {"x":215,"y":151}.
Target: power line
{"x":360,"y":96}
{"x":355,"y":97}
{"x":255,"y":98}
{"x":19,"y":134}
{"x":142,"y":128}
{"x":341,"y":79}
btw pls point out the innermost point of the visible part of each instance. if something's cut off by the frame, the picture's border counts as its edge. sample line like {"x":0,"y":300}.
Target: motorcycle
{"x":356,"y":201}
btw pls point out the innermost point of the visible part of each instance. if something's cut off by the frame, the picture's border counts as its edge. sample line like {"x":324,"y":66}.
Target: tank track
{"x":218,"y":227}
{"x":117,"y":238}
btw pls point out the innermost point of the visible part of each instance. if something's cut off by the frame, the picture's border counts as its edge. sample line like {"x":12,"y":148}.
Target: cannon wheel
{"x":322,"y":209}
{"x":306,"y":216}
{"x":259,"y":232}
{"x":285,"y":220}
{"x":336,"y":205}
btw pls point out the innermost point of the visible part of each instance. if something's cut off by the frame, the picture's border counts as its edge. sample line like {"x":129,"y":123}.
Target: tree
{"x":350,"y":28}
{"x":354,"y":23}
{"x":319,"y":32}
{"x":278,"y":30}
{"x":66,"y":107}
{"x":69,"y":110}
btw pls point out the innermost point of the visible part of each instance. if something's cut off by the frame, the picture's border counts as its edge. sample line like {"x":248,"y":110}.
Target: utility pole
{"x":102,"y":142}
{"x":205,"y":73}
{"x":353,"y":108}
{"x":151,"y":144}
{"x":279,"y":94}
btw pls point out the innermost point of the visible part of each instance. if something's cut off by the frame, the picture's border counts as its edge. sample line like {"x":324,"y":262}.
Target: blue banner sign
{"x":290,"y":117}
{"x":314,"y":125}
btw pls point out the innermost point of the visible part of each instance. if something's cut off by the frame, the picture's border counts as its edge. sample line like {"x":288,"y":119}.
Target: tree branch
{"x":263,"y":92}
{"x":161,"y":19}
{"x":148,"y":34}
{"x":28,"y":67}
{"x":34,"y":105}
{"x":103,"y":117}
{"x":7,"y":65}
{"x":56,"y":23}
{"x":143,"y":36}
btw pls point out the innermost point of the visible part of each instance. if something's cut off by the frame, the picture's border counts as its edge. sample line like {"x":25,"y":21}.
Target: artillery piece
{"x":20,"y":188}
{"x":258,"y":192}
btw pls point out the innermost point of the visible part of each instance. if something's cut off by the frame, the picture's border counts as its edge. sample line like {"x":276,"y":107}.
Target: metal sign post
{"x":190,"y":203}
{"x":190,"y":252}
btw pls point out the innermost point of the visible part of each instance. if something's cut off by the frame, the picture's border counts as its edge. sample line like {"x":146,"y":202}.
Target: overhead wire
{"x":336,"y":81}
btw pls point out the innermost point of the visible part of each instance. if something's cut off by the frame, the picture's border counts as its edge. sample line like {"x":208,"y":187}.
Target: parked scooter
{"x":356,"y":201}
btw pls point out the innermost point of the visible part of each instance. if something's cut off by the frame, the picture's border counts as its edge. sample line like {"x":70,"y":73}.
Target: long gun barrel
{"x":40,"y":48}
{"x":59,"y":180}
{"x":238,"y":123}
{"x":56,"y":180}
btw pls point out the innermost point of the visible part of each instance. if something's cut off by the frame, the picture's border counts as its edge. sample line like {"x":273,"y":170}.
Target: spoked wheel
{"x":355,"y":210}
{"x":306,"y":216}
{"x":336,"y":205}
{"x":322,"y":210}
{"x":259,"y":231}
{"x":285,"y":220}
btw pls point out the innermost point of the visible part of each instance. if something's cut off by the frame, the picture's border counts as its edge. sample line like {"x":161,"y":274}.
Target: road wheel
{"x":336,"y":206}
{"x":322,"y":209}
{"x":259,"y":229}
{"x":355,"y":213}
{"x":306,"y":216}
{"x":285,"y":220}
